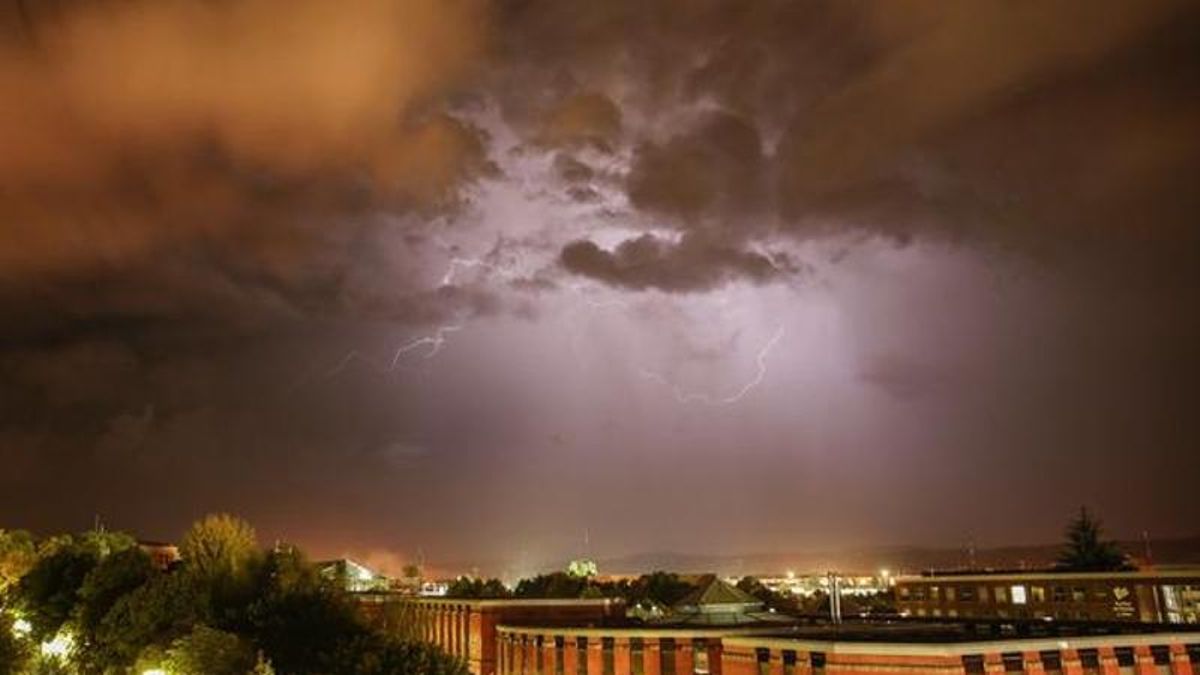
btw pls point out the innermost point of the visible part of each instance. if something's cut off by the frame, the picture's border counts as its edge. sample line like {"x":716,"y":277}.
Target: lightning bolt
{"x":434,"y":342}
{"x":686,"y":397}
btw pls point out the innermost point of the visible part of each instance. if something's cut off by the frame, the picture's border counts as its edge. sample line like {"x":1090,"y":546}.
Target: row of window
{"x":667,"y":661}
{"x":1089,"y":659}
{"x":1017,"y":594}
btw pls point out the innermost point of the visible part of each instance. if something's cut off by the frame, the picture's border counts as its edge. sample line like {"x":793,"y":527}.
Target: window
{"x":607,"y":657}
{"x":973,"y":664}
{"x":666,"y":657}
{"x":903,"y":591}
{"x":637,"y":656}
{"x":1078,"y":594}
{"x":1018,"y":595}
{"x":1051,"y":662}
{"x":581,"y":656}
{"x":934,"y":592}
{"x":1037,"y":593}
{"x":789,"y":662}
{"x":950,"y":594}
{"x":817,"y":660}
{"x":763,"y":656}
{"x":967,"y":594}
{"x":983,"y":594}
{"x":1059,"y":593}
{"x":1001,"y":594}
{"x":1090,"y":660}
{"x":1013,"y":662}
{"x":559,"y":648}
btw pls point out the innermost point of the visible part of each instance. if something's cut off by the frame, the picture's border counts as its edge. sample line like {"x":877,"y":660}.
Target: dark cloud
{"x":649,"y":262}
{"x":231,"y":231}
{"x":715,"y":170}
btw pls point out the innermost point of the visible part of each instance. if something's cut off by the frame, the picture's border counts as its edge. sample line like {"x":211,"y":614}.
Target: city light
{"x":60,"y":646}
{"x":154,"y":671}
{"x":22,"y":628}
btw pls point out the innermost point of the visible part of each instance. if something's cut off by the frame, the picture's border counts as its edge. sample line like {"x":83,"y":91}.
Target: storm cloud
{"x":320,"y":261}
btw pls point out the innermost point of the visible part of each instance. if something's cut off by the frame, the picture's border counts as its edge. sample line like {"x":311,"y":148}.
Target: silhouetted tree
{"x":554,"y":585}
{"x":1085,"y":550}
{"x":467,"y":587}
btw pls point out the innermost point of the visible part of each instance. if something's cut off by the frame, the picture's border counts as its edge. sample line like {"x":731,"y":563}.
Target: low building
{"x":161,"y":553}
{"x":1161,"y":596}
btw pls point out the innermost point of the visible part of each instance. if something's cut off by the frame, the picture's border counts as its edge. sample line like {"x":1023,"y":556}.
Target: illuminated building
{"x":353,"y":577}
{"x":1161,"y":596}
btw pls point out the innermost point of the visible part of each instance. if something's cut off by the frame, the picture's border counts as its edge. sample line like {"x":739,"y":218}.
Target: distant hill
{"x":898,"y":559}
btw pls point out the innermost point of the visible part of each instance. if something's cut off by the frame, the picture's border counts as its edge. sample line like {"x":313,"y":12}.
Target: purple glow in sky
{"x":471,"y":278}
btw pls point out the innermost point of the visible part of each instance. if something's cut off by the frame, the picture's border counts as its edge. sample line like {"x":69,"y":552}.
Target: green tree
{"x":219,"y":545}
{"x":1085,"y":550}
{"x":17,"y":556}
{"x":112,"y":579}
{"x":211,"y":652}
{"x":14,"y":652}
{"x":49,"y":592}
{"x":159,"y":611}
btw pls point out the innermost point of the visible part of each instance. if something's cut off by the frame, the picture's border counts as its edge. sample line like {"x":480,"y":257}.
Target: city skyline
{"x":475,"y":280}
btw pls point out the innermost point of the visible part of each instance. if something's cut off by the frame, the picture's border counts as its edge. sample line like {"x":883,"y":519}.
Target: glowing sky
{"x":472,"y":278}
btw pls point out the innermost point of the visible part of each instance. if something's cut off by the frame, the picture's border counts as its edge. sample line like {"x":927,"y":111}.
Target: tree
{"x":555,"y":585}
{"x":1086,"y":551}
{"x":49,"y":592}
{"x":467,"y":587}
{"x":773,"y":600}
{"x":17,"y":556}
{"x":663,"y":588}
{"x":14,"y":652}
{"x":219,"y":546}
{"x":166,"y":607}
{"x":112,"y":579}
{"x":212,"y":652}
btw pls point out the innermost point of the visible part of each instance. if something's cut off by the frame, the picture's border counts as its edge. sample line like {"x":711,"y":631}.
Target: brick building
{"x":1171,"y":596}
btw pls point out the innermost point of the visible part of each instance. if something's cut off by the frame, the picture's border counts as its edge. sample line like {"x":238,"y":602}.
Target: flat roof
{"x":1189,"y":573}
{"x":948,"y":646}
{"x":503,"y":602}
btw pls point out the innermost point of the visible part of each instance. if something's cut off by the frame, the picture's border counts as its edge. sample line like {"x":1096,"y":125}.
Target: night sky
{"x":468,"y":279}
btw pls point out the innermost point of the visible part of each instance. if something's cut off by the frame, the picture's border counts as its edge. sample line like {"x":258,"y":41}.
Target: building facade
{"x":468,"y":628}
{"x":1171,"y":597}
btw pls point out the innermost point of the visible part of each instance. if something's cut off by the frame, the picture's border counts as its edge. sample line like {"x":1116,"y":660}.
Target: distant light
{"x":61,"y":645}
{"x":154,"y":671}
{"x":791,"y":574}
{"x":885,"y":573}
{"x":22,"y":628}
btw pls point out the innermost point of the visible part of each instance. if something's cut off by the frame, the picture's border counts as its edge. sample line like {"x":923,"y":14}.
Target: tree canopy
{"x":230,"y":609}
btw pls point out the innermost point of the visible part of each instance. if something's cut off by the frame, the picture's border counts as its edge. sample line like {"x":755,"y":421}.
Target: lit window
{"x":1038,"y":593}
{"x":1001,"y":594}
{"x":1018,"y":595}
